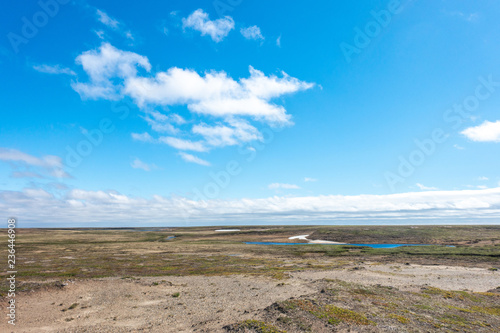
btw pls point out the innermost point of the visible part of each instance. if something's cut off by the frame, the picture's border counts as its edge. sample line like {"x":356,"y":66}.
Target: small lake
{"x":376,"y":246}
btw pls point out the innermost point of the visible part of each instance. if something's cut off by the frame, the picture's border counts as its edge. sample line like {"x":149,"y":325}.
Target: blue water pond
{"x":376,"y":246}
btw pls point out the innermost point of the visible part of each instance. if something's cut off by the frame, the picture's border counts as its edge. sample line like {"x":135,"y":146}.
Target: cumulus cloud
{"x":103,"y":66}
{"x":55,"y":69}
{"x":486,"y":132}
{"x":106,"y":207}
{"x":276,"y":186}
{"x":193,"y":159}
{"x":114,"y":74}
{"x":49,"y":164}
{"x":217,"y":29}
{"x":252,"y":32}
{"x":216,"y":94}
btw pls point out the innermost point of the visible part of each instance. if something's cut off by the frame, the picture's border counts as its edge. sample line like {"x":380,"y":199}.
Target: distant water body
{"x":376,"y":246}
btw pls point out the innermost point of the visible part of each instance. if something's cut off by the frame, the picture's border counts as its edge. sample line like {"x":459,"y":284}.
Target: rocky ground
{"x":367,"y":297}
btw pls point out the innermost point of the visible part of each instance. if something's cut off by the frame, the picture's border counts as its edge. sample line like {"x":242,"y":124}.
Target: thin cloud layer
{"x":21,"y":162}
{"x":53,"y":69}
{"x":81,"y":207}
{"x":276,"y":186}
{"x":217,"y":29}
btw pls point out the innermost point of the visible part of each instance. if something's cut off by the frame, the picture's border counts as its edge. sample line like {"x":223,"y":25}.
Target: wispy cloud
{"x":276,"y":186}
{"x":221,"y":135}
{"x":307,"y":179}
{"x":49,"y":164}
{"x":113,"y":24}
{"x":107,"y":20}
{"x":252,"y":32}
{"x":193,"y":159}
{"x":217,"y":29}
{"x":183,"y":144}
{"x":426,"y":188}
{"x":138,"y":164}
{"x":53,"y":69}
{"x":144,"y":137}
{"x":486,"y":132}
{"x":278,"y":41}
{"x":160,"y":122}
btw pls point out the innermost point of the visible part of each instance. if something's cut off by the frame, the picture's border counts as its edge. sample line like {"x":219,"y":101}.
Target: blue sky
{"x":233,"y":112}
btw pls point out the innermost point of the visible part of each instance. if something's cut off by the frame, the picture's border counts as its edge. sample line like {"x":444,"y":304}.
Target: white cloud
{"x":55,"y":69}
{"x":107,"y":207}
{"x":221,"y":135}
{"x":106,"y":19}
{"x":278,"y":41}
{"x":482,"y":178}
{"x":193,"y":159}
{"x":486,"y":132}
{"x":307,"y":179}
{"x":100,"y":33}
{"x":144,"y":137}
{"x":276,"y":186}
{"x":183,"y":144}
{"x":138,"y":164}
{"x":216,"y":94}
{"x":252,"y":32}
{"x":113,"y":73}
{"x":102,"y":66}
{"x":426,"y":188}
{"x":217,"y":29}
{"x":458,"y":147}
{"x":49,"y":164}
{"x":160,"y":122}
{"x":113,"y":24}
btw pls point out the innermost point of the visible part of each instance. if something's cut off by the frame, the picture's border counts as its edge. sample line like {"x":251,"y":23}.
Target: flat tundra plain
{"x":203,"y":280}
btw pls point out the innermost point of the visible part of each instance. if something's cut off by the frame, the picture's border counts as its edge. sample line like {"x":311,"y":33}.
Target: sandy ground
{"x":206,"y":304}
